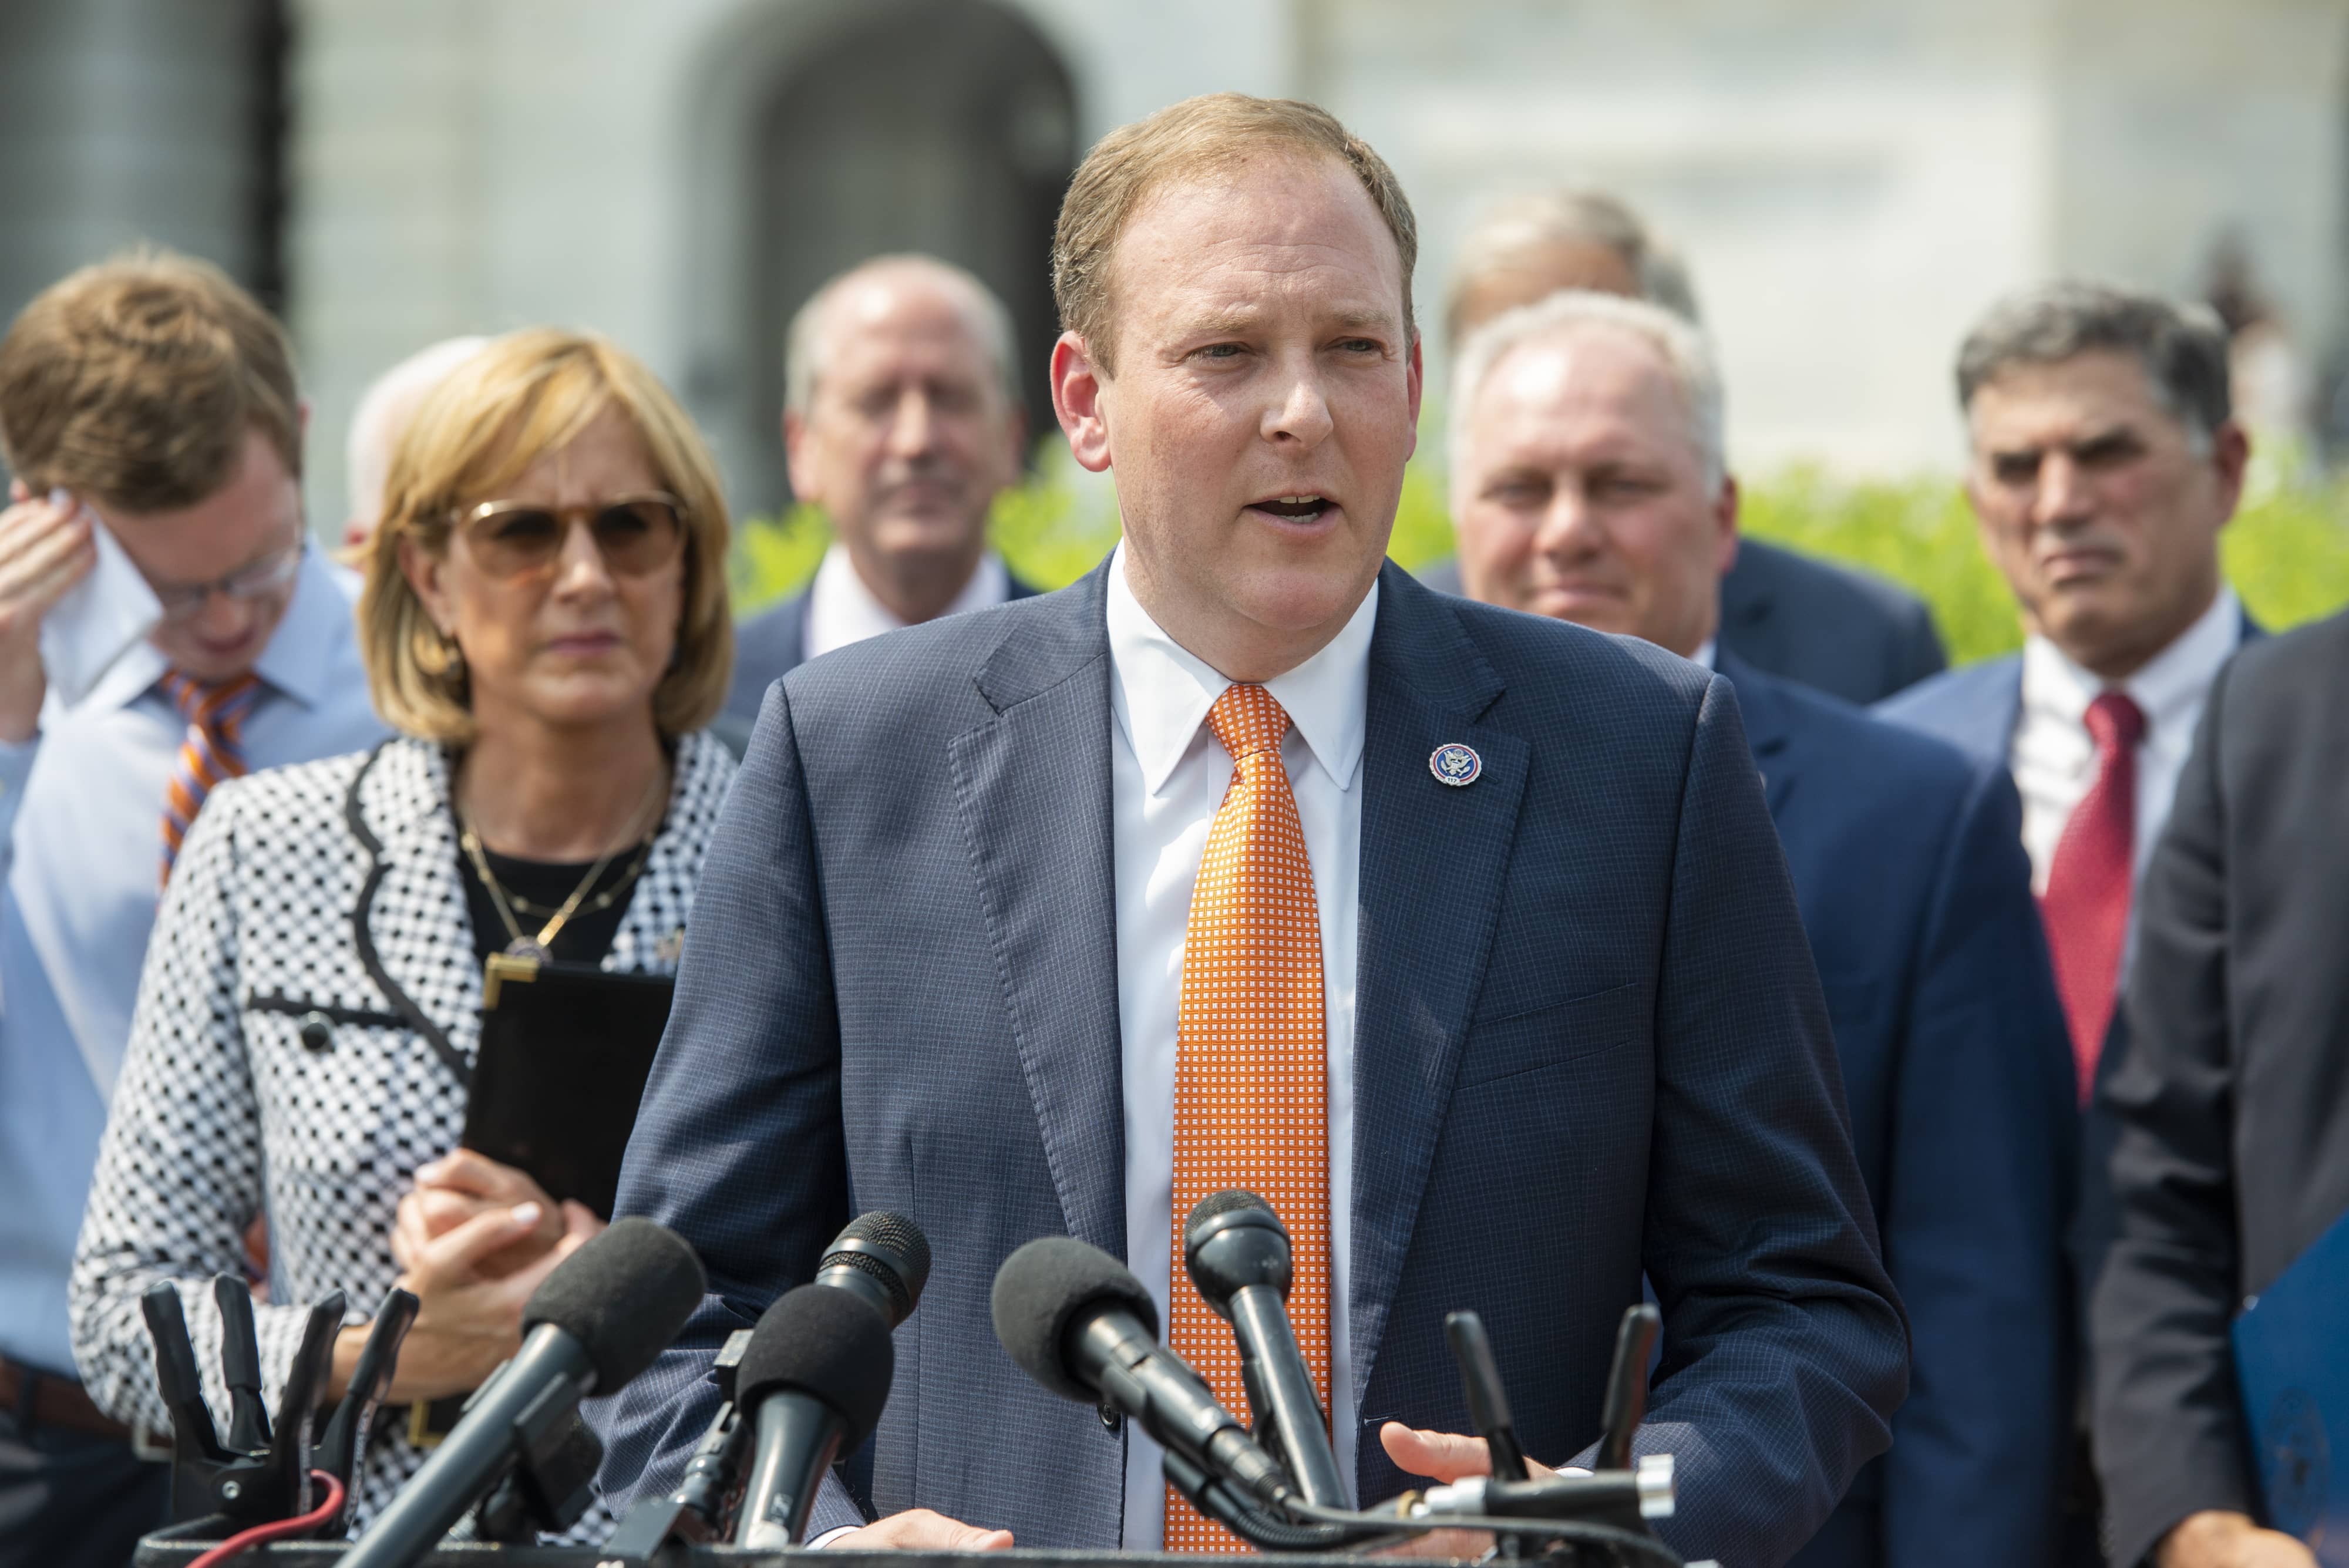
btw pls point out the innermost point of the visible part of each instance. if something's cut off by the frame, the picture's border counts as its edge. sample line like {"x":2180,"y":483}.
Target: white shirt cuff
{"x":829,"y":1536}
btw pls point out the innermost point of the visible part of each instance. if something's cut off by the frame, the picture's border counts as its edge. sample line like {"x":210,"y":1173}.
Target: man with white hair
{"x":382,"y":411}
{"x":1589,"y":485}
{"x":1825,"y":625}
{"x":902,"y":420}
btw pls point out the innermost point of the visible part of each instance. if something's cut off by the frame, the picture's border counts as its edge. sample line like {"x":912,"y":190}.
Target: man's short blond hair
{"x":1198,"y":135}
{"x":134,"y":382}
{"x":526,"y":395}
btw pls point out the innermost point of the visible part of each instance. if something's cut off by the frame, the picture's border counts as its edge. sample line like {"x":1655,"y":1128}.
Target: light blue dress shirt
{"x":81,"y":812}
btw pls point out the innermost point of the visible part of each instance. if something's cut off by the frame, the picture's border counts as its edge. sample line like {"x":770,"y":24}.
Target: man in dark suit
{"x":1486,"y":910}
{"x":1829,"y":627}
{"x":2104,"y":461}
{"x":1588,"y":482}
{"x":2233,"y":1153}
{"x":902,"y":420}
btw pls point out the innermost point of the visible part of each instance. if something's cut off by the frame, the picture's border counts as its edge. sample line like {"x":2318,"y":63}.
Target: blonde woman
{"x":544,"y":622}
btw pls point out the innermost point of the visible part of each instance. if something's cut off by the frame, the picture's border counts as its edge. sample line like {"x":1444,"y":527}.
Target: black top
{"x":584,"y":939}
{"x":2232,"y":1093}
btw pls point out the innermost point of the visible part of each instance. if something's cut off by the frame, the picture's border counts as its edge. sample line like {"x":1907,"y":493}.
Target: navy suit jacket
{"x":1842,"y":631}
{"x":1590,"y":1043}
{"x":774,"y":643}
{"x":1909,"y":868}
{"x":1976,"y":708}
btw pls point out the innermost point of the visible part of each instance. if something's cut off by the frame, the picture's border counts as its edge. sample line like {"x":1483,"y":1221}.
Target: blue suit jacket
{"x":1909,"y":868}
{"x":774,"y":643}
{"x":1591,"y":1042}
{"x":1976,"y":708}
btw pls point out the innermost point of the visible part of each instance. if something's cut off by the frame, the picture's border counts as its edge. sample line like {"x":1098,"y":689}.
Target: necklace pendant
{"x":524,"y":948}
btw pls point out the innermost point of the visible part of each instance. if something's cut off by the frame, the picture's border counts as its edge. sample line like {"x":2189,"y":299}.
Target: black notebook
{"x":566,"y":1050}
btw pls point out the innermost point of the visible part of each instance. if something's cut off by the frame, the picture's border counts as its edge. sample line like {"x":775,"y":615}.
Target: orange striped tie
{"x":1249,"y":1093}
{"x":211,"y":752}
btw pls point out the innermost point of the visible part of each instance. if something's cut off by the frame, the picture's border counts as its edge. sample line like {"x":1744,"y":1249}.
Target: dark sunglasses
{"x":636,"y":534}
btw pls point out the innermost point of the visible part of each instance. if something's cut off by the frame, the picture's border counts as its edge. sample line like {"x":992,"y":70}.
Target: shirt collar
{"x":2170,"y":686}
{"x":841,"y":610}
{"x":1161,"y":691}
{"x":1705,"y":651}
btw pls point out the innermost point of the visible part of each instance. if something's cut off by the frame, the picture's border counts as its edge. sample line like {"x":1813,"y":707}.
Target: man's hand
{"x":1444,"y":1457}
{"x":44,"y":549}
{"x":2216,"y":1538}
{"x":919,"y":1529}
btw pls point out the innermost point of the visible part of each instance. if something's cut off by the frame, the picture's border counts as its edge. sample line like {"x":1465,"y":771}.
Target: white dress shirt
{"x":2054,"y":758}
{"x":841,"y":610}
{"x":1168,"y":775}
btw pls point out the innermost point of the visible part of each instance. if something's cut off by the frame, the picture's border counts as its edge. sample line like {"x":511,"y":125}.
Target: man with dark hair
{"x":1783,"y":612}
{"x":149,"y":413}
{"x":1249,"y":862}
{"x":2233,"y":1152}
{"x":2104,"y":462}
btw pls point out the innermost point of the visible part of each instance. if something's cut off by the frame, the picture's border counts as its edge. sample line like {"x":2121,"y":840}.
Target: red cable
{"x":279,"y":1530}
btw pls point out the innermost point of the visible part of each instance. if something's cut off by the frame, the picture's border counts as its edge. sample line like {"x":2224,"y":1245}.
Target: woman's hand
{"x":462,"y":1184}
{"x":469,"y":1318}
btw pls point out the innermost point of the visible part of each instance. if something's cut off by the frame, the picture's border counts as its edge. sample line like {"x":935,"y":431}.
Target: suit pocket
{"x":1562,"y":1032}
{"x":324,"y":1103}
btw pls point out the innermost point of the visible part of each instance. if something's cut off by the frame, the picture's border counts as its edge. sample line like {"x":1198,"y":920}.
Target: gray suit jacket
{"x":1592,"y":1044}
{"x":1849,"y":634}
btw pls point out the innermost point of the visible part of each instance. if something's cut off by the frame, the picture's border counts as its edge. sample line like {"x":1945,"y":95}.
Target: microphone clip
{"x":259,"y":1473}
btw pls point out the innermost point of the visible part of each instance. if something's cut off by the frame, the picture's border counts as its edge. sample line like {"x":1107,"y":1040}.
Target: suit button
{"x":318,"y":1032}
{"x":1113,"y":1419}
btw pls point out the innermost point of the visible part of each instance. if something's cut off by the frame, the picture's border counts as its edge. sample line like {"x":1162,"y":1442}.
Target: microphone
{"x":817,"y":1371}
{"x":1236,"y":1250}
{"x":1078,"y":1322}
{"x":596,"y":1321}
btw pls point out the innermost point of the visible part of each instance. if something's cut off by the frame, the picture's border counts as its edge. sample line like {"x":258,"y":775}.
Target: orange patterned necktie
{"x":1249,"y":1088}
{"x":211,"y":751}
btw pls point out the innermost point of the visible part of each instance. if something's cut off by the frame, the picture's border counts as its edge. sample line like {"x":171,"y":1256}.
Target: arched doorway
{"x":944,"y":125}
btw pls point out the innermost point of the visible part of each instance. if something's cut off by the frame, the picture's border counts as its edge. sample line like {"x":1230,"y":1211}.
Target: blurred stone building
{"x":1852,"y":180}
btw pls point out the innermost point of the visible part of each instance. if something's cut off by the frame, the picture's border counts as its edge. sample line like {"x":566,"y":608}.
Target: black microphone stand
{"x":700,"y":1509}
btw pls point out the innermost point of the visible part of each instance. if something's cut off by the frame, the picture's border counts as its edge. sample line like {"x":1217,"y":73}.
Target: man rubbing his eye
{"x":149,"y":397}
{"x":1028,"y":922}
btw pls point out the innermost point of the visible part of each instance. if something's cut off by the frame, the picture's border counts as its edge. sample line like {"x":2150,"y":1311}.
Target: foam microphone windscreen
{"x":624,"y":1297}
{"x":1042,"y":1288}
{"x":832,"y":1343}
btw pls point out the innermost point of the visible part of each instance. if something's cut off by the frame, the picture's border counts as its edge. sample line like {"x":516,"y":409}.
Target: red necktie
{"x":1251,"y":1060}
{"x":2086,"y":904}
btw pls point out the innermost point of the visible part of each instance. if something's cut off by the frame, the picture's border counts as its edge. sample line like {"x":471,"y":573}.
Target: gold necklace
{"x":541,"y":948}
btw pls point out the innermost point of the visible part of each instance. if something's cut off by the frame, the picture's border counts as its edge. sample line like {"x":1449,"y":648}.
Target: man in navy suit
{"x":2104,"y":461}
{"x":1827,"y":625}
{"x":1588,"y":482}
{"x":902,"y":420}
{"x":1569,"y":1033}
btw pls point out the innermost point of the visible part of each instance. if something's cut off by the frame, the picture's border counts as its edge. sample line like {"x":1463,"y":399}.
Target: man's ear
{"x":16,"y":491}
{"x":1418,"y":385}
{"x":1078,"y":401}
{"x":2230,"y":457}
{"x":796,"y":466}
{"x":1724,"y":513}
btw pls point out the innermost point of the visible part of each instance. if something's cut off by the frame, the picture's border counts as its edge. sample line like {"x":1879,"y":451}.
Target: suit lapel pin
{"x":671,"y":947}
{"x":1455,"y":764}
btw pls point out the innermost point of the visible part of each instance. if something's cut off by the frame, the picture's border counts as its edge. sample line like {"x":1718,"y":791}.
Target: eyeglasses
{"x":636,"y":534}
{"x":185,"y":601}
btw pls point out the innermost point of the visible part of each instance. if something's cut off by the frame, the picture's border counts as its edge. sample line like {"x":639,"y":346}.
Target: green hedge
{"x":2287,"y":551}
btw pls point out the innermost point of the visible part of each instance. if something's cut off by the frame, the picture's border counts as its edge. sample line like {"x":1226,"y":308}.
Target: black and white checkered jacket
{"x":334,"y":887}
